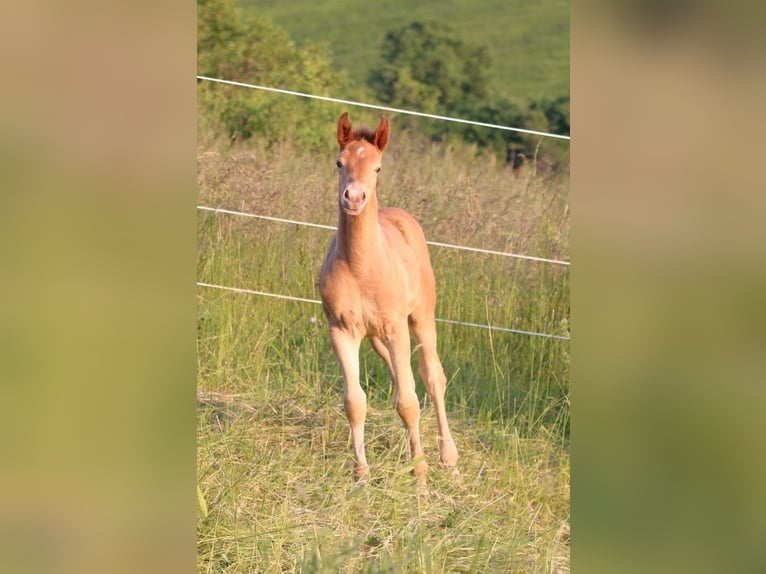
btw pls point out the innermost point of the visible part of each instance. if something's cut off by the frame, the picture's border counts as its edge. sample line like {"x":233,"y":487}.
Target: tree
{"x":257,"y":51}
{"x":556,"y":111}
{"x":505,"y":112}
{"x":425,"y":65}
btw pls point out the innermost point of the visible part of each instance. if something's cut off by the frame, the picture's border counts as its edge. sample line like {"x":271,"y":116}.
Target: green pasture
{"x":275,"y":484}
{"x":528,"y":41}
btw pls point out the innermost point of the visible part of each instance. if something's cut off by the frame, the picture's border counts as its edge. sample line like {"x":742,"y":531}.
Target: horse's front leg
{"x":346,"y":347}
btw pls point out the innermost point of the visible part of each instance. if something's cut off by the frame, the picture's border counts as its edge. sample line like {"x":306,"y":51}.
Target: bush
{"x":427,"y":67}
{"x":258,"y":52}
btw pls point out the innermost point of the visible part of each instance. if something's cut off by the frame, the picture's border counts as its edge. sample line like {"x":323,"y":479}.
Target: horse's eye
{"x":377,"y":169}
{"x":338,"y":163}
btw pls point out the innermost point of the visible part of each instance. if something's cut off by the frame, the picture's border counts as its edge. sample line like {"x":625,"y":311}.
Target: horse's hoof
{"x":448,"y":453}
{"x":420,"y":469}
{"x":361,"y":475}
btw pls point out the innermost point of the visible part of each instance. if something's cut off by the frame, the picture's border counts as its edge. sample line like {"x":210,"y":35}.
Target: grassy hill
{"x":528,"y":41}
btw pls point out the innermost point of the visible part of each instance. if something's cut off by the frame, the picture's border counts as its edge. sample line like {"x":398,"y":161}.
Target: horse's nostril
{"x":351,"y":195}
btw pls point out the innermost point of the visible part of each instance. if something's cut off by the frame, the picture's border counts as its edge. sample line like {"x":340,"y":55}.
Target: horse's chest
{"x":364,"y":321}
{"x":370,"y":305}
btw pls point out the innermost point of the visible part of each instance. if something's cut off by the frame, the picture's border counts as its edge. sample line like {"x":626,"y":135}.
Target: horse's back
{"x":406,"y":224}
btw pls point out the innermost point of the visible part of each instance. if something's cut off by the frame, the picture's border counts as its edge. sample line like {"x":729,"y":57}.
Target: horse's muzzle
{"x":353,"y":199}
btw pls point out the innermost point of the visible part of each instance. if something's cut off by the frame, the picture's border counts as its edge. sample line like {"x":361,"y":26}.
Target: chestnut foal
{"x":376,"y":282}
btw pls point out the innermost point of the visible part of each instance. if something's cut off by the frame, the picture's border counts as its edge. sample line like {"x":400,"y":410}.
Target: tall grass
{"x":274,"y":461}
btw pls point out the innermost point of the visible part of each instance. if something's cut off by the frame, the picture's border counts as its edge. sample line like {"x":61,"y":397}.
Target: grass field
{"x":528,"y":41}
{"x":274,"y":461}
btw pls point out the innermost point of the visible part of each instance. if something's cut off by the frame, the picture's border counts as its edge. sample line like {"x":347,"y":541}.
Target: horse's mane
{"x":364,"y":133}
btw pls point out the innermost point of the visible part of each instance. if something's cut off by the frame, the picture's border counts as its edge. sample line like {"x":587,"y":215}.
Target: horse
{"x":377,"y":282}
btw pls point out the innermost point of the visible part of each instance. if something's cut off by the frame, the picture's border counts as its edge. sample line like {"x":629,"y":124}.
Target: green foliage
{"x":500,"y":111}
{"x":549,"y":116}
{"x":556,"y":111}
{"x":428,"y":67}
{"x":528,"y":42}
{"x":258,"y":52}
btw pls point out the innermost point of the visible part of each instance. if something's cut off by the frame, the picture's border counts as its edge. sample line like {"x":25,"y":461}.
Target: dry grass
{"x":276,"y":480}
{"x":274,"y":464}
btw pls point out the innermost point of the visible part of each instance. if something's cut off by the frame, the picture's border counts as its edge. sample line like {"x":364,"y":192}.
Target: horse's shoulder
{"x":403,"y":221}
{"x":395,"y":214}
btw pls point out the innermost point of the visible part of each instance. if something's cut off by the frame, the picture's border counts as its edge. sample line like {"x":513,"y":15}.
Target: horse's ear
{"x":381,"y":133}
{"x":345,"y":132}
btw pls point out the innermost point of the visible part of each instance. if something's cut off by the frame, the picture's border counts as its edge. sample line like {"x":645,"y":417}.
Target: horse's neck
{"x":358,"y":236}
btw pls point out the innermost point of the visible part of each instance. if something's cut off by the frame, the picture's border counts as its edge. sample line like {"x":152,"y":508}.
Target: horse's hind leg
{"x":381,"y":350}
{"x":432,"y":373}
{"x":407,"y":405}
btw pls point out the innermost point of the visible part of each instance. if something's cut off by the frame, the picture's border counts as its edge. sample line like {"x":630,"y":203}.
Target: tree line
{"x":425,"y":66}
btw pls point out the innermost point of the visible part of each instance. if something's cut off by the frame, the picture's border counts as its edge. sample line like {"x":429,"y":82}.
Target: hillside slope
{"x":528,"y":41}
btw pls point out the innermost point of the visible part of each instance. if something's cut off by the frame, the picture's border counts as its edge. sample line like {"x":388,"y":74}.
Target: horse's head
{"x":359,"y":163}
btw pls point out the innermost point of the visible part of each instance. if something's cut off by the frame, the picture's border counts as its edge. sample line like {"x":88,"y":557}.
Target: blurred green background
{"x":98,"y":315}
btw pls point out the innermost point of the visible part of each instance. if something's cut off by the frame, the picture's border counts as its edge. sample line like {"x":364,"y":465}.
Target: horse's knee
{"x":355,"y":403}
{"x":408,"y":408}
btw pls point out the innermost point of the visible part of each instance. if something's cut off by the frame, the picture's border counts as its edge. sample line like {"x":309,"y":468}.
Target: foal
{"x":375,"y":282}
